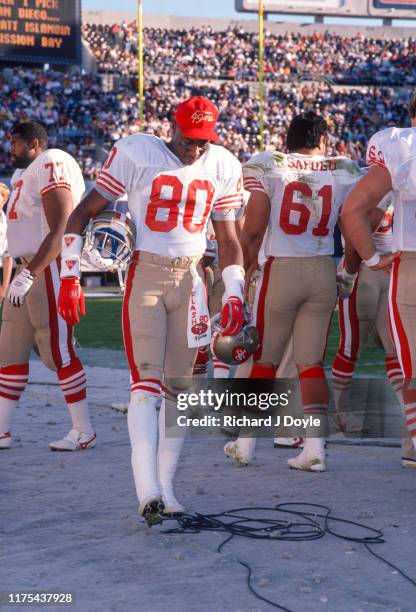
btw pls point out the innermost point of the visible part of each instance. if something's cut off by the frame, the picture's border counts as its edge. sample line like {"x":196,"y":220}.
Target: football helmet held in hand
{"x":237,"y":349}
{"x":109,"y":241}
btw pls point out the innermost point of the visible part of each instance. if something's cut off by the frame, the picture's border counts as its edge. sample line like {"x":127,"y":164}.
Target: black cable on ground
{"x":307,"y":522}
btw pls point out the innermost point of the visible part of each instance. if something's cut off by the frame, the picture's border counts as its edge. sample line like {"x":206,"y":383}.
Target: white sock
{"x":314,"y":446}
{"x":171,"y":440}
{"x":80,"y":416}
{"x":414,"y":441}
{"x":142,"y":424}
{"x":7,"y":408}
{"x":221,"y":370}
{"x":247,"y":444}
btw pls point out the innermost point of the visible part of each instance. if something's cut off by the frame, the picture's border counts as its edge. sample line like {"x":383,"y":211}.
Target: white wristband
{"x":233,"y":277}
{"x":373,"y":261}
{"x":71,"y":266}
{"x":72,"y":245}
{"x":347,"y":276}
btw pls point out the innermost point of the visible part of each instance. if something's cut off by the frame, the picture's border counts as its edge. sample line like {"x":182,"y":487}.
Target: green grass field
{"x":101,"y":328}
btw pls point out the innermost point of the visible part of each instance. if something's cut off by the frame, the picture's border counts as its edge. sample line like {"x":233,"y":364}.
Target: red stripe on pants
{"x":53,"y":319}
{"x":403,"y":350}
{"x":128,"y":342}
{"x":260,"y":306}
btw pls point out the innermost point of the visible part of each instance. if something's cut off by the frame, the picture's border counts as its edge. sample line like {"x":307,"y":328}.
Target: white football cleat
{"x":75,"y":440}
{"x":5,"y":440}
{"x":242,"y":450}
{"x":312,"y":457}
{"x":288,"y":442}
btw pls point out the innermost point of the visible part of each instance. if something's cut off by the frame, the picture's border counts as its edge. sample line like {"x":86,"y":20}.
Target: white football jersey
{"x":3,"y":235}
{"x":170,"y":203}
{"x":395,"y":149}
{"x":26,"y":221}
{"x":306,"y":194}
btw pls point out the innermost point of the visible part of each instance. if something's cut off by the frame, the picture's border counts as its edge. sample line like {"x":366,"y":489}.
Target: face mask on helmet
{"x":109,"y":241}
{"x":234,"y":350}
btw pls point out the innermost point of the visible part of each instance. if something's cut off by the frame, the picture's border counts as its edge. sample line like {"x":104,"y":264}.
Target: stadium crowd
{"x":233,"y":54}
{"x":80,"y":114}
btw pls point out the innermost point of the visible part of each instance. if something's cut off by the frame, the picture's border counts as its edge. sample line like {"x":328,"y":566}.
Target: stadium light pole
{"x":140,"y":52}
{"x":261,"y":96}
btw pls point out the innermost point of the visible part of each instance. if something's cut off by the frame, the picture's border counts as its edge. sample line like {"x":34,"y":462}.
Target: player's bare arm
{"x":89,"y":207}
{"x":350,"y":264}
{"x":231,"y":263}
{"x":356,"y":216}
{"x":57,"y":205}
{"x":229,"y":248}
{"x":352,"y":259}
{"x":255,"y":225}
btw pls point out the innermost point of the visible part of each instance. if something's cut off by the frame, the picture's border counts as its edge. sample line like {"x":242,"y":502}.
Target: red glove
{"x":70,"y":298}
{"x":232,"y":317}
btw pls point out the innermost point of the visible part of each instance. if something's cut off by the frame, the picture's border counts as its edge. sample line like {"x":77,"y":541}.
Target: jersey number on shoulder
{"x":304,"y":214}
{"x":110,"y":158}
{"x":18,"y":189}
{"x":171,"y":204}
{"x":59,"y":171}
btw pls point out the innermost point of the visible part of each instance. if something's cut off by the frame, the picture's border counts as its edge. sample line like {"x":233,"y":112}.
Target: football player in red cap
{"x":173,"y":188}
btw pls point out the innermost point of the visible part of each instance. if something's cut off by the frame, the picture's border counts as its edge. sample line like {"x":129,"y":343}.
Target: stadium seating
{"x":85,"y":113}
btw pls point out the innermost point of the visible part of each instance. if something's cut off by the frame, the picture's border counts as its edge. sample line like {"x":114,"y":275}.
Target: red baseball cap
{"x":196,"y":118}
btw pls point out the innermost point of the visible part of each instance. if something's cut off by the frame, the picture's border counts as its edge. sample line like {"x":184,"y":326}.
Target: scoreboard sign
{"x":395,"y":4}
{"x":44,"y":31}
{"x":397,"y":9}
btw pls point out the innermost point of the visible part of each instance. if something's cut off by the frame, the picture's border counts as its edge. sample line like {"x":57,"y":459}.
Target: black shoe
{"x":153,"y":512}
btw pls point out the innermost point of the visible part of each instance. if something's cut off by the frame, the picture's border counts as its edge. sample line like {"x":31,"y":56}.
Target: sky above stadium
{"x":222,"y":9}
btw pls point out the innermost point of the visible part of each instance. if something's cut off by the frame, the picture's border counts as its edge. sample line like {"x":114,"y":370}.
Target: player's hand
{"x":345,"y":283}
{"x":385,"y":261}
{"x":71,"y":298}
{"x":232,"y":316}
{"x":19,"y":287}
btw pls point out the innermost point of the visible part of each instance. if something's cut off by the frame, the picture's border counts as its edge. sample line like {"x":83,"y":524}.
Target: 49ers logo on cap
{"x":199,"y":116}
{"x":196,"y":118}
{"x":240,"y":354}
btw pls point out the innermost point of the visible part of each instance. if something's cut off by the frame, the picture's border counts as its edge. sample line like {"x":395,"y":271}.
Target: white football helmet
{"x":234,"y":350}
{"x":109,"y":241}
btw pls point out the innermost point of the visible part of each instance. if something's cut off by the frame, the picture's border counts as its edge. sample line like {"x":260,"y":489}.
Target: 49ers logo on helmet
{"x":199,"y":328}
{"x":240,"y":354}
